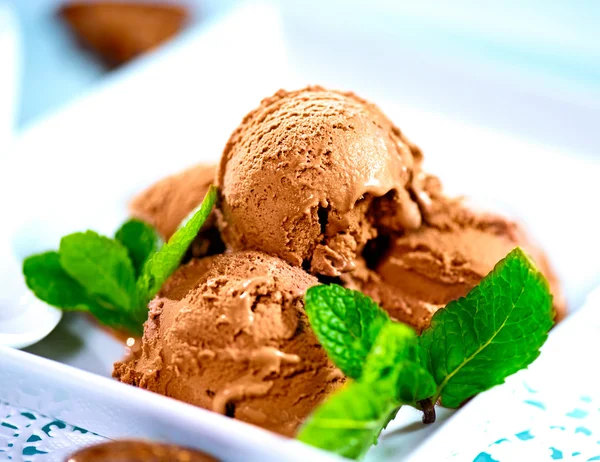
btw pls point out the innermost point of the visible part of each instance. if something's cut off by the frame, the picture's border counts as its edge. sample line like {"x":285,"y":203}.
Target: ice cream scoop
{"x":138,"y":451}
{"x":229,"y":333}
{"x":307,"y":175}
{"x":423,"y":270}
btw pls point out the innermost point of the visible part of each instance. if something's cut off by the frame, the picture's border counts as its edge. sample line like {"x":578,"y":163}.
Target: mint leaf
{"x":51,"y":283}
{"x":346,"y":322}
{"x":349,"y":422}
{"x":141,"y":241}
{"x":393,"y":366}
{"x":162,"y":264}
{"x":97,"y":274}
{"x":101,"y":265}
{"x":496,"y":330}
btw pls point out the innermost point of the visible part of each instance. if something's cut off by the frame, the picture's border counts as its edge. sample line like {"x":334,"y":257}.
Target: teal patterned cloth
{"x":559,"y":429}
{"x":28,"y":436}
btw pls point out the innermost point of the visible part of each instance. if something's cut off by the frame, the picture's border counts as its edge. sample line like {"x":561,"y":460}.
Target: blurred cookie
{"x":118,"y":32}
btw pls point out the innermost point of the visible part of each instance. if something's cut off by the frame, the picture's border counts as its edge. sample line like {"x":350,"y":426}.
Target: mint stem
{"x":428,"y":408}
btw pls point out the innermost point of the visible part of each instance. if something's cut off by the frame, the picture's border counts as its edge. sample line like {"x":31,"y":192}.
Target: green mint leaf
{"x":141,"y":241}
{"x":51,"y":283}
{"x":496,"y":330}
{"x":46,"y":278}
{"x":163,"y":263}
{"x":394,"y":368}
{"x":349,"y":421}
{"x":101,"y":265}
{"x":346,"y":322}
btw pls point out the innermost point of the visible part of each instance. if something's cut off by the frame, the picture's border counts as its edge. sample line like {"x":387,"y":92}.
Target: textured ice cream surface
{"x":307,"y":175}
{"x":168,"y":202}
{"x":425,"y":269}
{"x":229,"y":333}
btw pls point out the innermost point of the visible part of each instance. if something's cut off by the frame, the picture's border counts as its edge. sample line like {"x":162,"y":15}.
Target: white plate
{"x":77,"y":169}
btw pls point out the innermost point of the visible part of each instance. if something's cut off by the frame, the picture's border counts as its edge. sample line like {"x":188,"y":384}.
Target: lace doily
{"x":28,"y":436}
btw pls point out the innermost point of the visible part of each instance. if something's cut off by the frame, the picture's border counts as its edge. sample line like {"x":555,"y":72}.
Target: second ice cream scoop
{"x":306,"y":174}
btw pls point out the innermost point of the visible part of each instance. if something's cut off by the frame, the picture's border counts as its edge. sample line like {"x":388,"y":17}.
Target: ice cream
{"x":312,"y":175}
{"x":138,"y":451}
{"x":229,"y":333}
{"x":312,"y":181}
{"x":421,"y":271}
{"x":168,"y":202}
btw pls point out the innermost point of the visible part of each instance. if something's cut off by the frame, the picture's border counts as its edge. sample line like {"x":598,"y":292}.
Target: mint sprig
{"x":472,"y":344}
{"x":97,"y":274}
{"x":495,"y":331}
{"x":349,"y":422}
{"x":393,"y":366}
{"x":46,"y":277}
{"x":346,"y":322}
{"x":141,"y":241}
{"x":162,"y":264}
{"x":100,"y":265}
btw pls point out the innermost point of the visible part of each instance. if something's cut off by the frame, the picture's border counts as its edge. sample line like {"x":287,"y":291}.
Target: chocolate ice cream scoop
{"x":138,"y":451}
{"x":229,"y":333}
{"x":307,"y":175}
{"x":424,"y":270}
